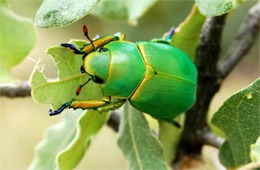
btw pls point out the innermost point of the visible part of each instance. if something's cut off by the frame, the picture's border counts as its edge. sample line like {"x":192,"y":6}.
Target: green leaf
{"x":129,"y":10}
{"x":169,"y":136}
{"x":56,"y":13}
{"x":255,"y":151}
{"x":215,"y":7}
{"x":57,"y":138}
{"x":88,"y":125}
{"x":4,"y":3}
{"x":137,"y":8}
{"x":186,"y":35}
{"x":17,"y":38}
{"x":141,"y":149}
{"x":58,"y":92}
{"x":239,"y":119}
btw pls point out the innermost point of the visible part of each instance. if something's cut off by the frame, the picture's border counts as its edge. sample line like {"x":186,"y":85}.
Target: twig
{"x":210,"y":76}
{"x":211,"y":139}
{"x":244,"y":41}
{"x":24,"y":90}
{"x":207,"y":55}
{"x":11,"y":90}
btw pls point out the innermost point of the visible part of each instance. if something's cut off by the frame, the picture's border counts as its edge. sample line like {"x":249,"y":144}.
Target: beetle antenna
{"x":85,"y":30}
{"x":81,"y":86}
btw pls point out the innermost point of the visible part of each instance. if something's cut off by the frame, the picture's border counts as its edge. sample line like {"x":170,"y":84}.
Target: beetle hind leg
{"x":100,"y":105}
{"x":72,"y":47}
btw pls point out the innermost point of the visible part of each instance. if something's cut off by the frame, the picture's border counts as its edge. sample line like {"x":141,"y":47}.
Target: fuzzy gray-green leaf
{"x":56,"y":13}
{"x":214,"y":7}
{"x":129,"y":10}
{"x":57,"y":138}
{"x":239,"y":119}
{"x":88,"y":125}
{"x":141,"y":149}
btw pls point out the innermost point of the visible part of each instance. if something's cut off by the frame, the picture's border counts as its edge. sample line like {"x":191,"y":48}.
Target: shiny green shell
{"x":156,"y":78}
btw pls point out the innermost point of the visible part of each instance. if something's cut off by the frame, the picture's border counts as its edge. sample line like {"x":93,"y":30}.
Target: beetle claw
{"x":56,"y":112}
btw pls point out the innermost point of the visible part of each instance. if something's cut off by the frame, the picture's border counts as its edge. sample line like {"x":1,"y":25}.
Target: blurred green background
{"x":23,"y":122}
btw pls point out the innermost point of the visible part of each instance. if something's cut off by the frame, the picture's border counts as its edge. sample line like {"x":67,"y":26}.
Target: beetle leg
{"x":173,"y":122}
{"x":170,"y":34}
{"x":176,"y":124}
{"x":72,"y":47}
{"x":88,"y":104}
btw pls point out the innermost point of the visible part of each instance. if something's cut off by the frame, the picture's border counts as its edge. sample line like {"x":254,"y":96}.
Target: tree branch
{"x":210,"y":77}
{"x":207,"y":55}
{"x":211,"y":139}
{"x":244,"y":41}
{"x":24,"y":90}
{"x":11,"y":90}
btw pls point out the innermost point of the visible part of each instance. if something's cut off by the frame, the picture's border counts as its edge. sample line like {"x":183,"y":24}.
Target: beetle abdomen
{"x":172,"y":89}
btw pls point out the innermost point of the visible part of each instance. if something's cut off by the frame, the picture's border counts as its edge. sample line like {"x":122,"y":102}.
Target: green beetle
{"x":155,"y":77}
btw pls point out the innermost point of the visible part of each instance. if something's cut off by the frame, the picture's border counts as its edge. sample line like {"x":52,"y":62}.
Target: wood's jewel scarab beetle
{"x":155,"y":77}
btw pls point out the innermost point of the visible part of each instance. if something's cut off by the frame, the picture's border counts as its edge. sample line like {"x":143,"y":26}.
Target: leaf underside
{"x":56,"y":13}
{"x":141,"y":149}
{"x":57,"y":138}
{"x":88,"y":125}
{"x":129,"y":10}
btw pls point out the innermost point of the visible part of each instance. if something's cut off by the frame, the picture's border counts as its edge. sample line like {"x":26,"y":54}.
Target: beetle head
{"x":96,"y":64}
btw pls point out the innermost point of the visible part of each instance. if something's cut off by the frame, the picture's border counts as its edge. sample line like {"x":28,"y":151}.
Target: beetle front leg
{"x":72,"y":47}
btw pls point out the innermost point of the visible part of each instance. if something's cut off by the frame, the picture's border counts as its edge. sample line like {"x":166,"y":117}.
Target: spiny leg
{"x":99,"y":105}
{"x":88,"y":104}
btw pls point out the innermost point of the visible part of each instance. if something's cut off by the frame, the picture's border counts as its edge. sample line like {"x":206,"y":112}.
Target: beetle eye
{"x":82,"y":70}
{"x":97,"y":79}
